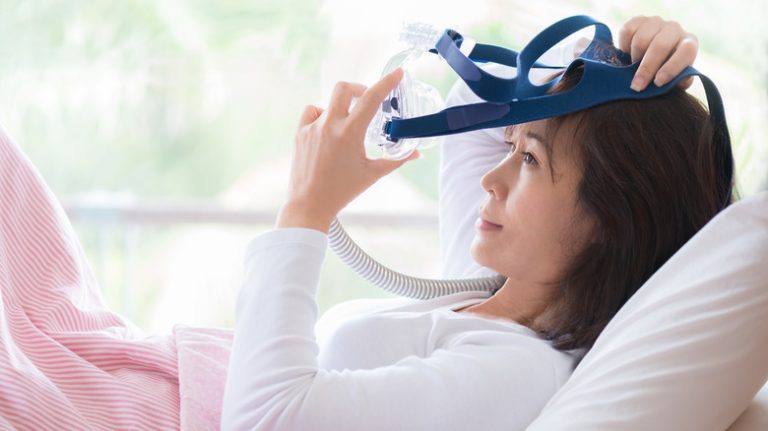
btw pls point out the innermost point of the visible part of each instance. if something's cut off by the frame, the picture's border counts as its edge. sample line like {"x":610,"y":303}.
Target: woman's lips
{"x":483,"y":224}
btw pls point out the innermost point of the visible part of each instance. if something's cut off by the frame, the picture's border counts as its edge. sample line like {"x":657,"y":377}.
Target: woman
{"x":579,"y":213}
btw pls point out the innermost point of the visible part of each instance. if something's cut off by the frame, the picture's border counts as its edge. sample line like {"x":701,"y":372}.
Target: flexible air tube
{"x":395,"y":282}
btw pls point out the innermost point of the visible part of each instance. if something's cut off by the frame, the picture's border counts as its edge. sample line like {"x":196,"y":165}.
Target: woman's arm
{"x":274,"y":382}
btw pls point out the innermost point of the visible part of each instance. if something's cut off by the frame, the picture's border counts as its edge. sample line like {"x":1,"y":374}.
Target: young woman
{"x":577,"y":213}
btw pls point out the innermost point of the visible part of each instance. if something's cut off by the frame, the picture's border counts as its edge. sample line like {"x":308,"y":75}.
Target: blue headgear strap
{"x":607,"y":75}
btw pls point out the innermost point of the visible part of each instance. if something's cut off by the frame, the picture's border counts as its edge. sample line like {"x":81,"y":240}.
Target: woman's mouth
{"x":483,"y":224}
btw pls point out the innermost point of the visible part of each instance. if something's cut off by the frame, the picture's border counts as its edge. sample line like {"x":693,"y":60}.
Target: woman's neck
{"x":516,"y":301}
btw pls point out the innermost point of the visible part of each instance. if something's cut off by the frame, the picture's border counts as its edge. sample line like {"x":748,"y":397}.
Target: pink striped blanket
{"x":68,"y":362}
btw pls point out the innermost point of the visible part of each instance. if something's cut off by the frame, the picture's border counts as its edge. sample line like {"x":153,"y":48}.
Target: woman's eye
{"x":529,"y":159}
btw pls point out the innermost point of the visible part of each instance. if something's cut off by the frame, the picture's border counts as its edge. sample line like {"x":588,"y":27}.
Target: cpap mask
{"x":411,"y":117}
{"x":411,"y":98}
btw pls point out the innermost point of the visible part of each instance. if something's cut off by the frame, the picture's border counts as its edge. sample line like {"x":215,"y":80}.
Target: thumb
{"x":383,"y":167}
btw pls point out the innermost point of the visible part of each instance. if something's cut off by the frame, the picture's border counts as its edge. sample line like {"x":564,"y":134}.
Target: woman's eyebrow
{"x":534,"y":135}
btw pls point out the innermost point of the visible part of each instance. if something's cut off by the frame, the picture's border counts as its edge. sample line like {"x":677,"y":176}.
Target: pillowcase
{"x":689,"y":350}
{"x":755,"y":417}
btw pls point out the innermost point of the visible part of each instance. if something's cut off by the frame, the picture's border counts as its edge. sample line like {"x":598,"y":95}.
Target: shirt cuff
{"x":287,"y":235}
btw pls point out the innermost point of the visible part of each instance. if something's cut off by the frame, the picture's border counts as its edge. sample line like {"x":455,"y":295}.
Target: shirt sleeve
{"x":274,"y":382}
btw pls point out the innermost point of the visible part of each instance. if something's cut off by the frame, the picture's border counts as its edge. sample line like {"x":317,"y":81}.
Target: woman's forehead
{"x":536,"y":130}
{"x":539,"y":127}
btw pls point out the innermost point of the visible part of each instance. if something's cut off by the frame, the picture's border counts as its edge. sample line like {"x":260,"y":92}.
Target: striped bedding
{"x":68,"y":362}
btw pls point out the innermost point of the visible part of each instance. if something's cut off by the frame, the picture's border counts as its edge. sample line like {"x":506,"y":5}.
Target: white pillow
{"x":689,"y":350}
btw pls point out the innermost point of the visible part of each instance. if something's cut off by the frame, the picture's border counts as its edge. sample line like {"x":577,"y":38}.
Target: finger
{"x":342,"y":95}
{"x":684,"y":55}
{"x":659,"y":50}
{"x":628,"y":30}
{"x":369,"y":102}
{"x":643,"y":37}
{"x":685,"y":83}
{"x":309,"y":115}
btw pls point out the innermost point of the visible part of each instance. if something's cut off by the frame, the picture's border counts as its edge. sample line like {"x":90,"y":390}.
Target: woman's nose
{"x":493,"y":183}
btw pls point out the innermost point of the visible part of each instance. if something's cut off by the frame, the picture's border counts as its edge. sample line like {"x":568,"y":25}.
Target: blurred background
{"x":165,"y":127}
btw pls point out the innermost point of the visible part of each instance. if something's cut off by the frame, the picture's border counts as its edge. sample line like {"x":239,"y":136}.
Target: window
{"x":163,"y":125}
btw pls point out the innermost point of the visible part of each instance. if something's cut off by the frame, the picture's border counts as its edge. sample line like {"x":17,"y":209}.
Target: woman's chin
{"x":480,"y":254}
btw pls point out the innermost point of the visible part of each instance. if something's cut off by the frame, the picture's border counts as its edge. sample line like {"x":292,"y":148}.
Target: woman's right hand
{"x":664,"y":46}
{"x":329,"y":167}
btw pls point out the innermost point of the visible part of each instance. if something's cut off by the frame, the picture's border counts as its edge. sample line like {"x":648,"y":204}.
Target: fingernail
{"x":638,"y":83}
{"x":661,"y":79}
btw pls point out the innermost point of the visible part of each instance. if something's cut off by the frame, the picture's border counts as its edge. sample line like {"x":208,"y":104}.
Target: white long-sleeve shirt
{"x":385,"y":364}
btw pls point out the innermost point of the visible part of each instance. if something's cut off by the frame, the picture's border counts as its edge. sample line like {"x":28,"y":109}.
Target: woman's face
{"x":529,"y":226}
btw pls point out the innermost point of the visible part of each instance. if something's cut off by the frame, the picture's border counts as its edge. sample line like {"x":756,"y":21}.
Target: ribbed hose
{"x":395,"y":282}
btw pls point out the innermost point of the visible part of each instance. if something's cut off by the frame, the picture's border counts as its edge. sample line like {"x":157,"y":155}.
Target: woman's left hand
{"x":664,"y":49}
{"x":329,"y":167}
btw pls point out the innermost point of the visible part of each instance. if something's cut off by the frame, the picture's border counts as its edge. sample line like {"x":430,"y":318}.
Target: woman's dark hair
{"x":652,"y":177}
